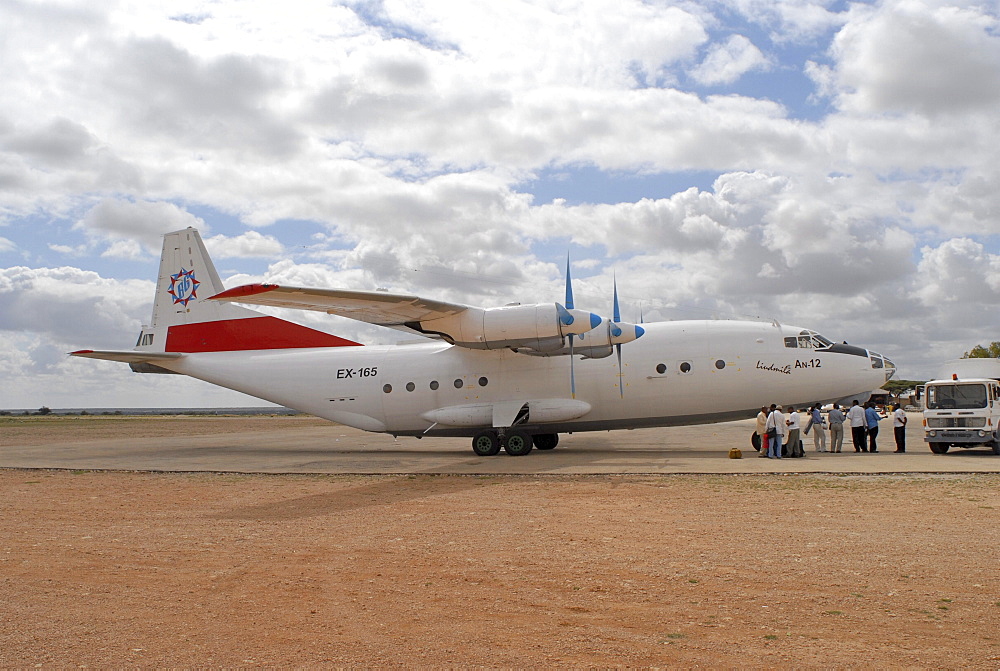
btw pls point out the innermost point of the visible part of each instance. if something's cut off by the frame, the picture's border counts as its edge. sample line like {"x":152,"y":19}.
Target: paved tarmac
{"x":337,"y":449}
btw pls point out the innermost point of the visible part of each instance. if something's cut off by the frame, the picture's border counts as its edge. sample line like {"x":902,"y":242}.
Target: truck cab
{"x":964,"y":411}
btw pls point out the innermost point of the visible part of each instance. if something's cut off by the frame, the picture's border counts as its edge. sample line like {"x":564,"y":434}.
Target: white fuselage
{"x":685,"y":372}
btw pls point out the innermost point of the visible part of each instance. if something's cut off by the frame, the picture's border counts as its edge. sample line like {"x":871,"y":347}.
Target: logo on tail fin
{"x":183,"y":287}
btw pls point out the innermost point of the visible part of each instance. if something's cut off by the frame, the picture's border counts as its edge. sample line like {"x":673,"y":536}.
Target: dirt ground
{"x":109,"y":569}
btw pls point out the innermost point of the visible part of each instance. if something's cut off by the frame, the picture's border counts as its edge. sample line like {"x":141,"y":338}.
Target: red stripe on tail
{"x":264,"y":332}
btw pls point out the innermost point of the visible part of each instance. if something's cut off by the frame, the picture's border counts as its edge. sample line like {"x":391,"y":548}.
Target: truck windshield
{"x":956,"y":396}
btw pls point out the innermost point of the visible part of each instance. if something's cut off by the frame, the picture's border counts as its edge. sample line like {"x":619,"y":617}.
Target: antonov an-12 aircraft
{"x":511,"y":377}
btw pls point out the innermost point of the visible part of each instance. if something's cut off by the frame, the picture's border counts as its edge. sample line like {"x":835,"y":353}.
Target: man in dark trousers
{"x":856,"y":416}
{"x":872,"y":419}
{"x":899,"y":429}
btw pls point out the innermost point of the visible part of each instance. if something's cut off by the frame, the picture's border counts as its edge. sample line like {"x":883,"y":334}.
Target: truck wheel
{"x":996,"y":446}
{"x":939,"y":448}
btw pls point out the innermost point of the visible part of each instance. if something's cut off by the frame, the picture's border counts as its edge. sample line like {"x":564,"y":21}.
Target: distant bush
{"x":44,"y":410}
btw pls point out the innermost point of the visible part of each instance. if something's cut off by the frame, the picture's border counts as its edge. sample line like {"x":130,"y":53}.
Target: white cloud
{"x":7,"y":245}
{"x":592,"y":43}
{"x":130,"y":225}
{"x":790,"y":21}
{"x":909,"y":56}
{"x":248,"y":245}
{"x":72,"y":303}
{"x":725,"y":63}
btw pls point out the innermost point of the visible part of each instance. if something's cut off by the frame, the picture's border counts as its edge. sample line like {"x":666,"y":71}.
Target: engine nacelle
{"x":599,"y":342}
{"x":539,"y":327}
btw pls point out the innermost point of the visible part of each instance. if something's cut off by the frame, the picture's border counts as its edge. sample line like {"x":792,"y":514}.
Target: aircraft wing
{"x":534,"y":328}
{"x":374,"y":307}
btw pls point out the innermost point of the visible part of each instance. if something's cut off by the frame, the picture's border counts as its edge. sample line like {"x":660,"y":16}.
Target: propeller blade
{"x":618,"y":313}
{"x":569,"y":322}
{"x":622,"y":332}
{"x":621,"y":376}
{"x":569,"y":286}
{"x":616,"y":331}
{"x":572,"y":372}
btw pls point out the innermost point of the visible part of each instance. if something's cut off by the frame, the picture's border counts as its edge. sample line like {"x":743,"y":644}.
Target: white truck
{"x":962,"y":406}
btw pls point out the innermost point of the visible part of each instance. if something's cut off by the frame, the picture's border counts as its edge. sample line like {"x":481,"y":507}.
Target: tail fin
{"x":183,"y":321}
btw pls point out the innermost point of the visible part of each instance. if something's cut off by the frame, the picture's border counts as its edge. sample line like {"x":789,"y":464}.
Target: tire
{"x":755,"y":441}
{"x":517,"y":443}
{"x":996,"y":447}
{"x":939,"y":448}
{"x":545,"y":441}
{"x":486,"y":444}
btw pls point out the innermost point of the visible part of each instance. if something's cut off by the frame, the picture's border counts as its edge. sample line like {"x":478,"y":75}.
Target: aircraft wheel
{"x":517,"y":443}
{"x":545,"y":441}
{"x":486,"y":443}
{"x":939,"y":448}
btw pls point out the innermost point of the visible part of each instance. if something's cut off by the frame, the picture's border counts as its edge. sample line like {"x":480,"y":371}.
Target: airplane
{"x":511,"y":377}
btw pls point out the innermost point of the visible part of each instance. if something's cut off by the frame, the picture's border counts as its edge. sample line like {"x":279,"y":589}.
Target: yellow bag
{"x":736,"y":453}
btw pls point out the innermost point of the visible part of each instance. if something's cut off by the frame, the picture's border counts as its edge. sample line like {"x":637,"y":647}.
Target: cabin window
{"x":791,"y":341}
{"x":459,"y":383}
{"x":720,"y":364}
{"x":434,"y":385}
{"x":387,"y":388}
{"x":685,"y":367}
{"x":483,"y":382}
{"x":410,"y":386}
{"x":661,"y":368}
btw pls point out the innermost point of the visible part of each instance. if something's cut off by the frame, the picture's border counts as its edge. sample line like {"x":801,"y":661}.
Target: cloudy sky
{"x":828,"y":164}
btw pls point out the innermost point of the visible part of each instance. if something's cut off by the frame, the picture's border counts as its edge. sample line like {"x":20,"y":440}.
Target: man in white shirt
{"x":856,"y":416}
{"x":775,"y":423}
{"x":793,"y":431}
{"x":899,"y":428}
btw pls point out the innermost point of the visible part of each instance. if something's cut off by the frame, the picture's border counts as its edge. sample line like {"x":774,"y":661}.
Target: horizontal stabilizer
{"x":127,"y":356}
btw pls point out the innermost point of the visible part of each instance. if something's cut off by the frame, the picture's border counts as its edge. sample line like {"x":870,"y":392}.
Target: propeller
{"x":569,"y":306}
{"x":574,"y":322}
{"x":622,"y":332}
{"x":618,"y":332}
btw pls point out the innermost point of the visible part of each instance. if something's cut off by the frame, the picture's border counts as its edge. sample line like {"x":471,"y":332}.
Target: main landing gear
{"x":515,"y":442}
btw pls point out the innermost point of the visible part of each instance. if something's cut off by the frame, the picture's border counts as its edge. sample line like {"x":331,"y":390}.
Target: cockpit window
{"x":807,"y":340}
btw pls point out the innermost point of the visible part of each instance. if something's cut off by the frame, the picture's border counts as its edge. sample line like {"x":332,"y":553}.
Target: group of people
{"x":775,"y":429}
